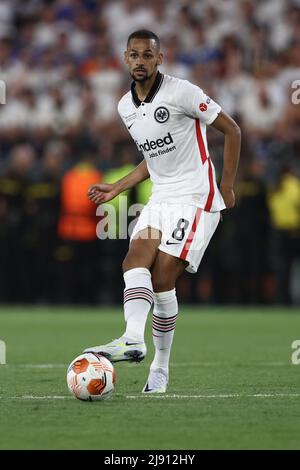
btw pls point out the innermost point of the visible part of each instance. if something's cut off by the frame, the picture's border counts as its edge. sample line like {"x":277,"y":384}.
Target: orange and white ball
{"x":91,"y":377}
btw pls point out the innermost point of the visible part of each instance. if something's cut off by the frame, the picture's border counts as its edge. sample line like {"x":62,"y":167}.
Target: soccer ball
{"x":91,"y":377}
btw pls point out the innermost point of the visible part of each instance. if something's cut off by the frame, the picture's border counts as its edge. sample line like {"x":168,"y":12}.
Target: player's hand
{"x":228,"y":196}
{"x":101,"y":193}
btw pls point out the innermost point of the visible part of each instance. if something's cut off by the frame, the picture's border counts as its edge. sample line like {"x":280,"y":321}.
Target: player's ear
{"x":160,"y":58}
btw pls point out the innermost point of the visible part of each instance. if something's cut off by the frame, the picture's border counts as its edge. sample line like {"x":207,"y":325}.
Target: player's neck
{"x":142,"y":88}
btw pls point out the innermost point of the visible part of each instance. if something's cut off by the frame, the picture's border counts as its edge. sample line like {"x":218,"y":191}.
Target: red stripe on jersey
{"x":191,"y":235}
{"x":200,"y":141}
{"x":211,"y":187}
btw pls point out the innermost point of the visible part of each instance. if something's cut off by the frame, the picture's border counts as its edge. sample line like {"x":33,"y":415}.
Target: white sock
{"x":138,"y":298}
{"x":163,"y":327}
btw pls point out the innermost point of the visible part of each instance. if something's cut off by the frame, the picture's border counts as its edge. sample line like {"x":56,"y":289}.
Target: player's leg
{"x":138,"y":298}
{"x":165,"y":272}
{"x":181,"y":249}
{"x":138,"y":292}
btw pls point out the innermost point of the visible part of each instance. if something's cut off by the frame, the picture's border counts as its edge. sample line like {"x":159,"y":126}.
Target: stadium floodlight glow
{"x":2,"y":352}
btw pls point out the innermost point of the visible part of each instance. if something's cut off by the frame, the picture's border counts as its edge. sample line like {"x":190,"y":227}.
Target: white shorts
{"x":186,"y":230}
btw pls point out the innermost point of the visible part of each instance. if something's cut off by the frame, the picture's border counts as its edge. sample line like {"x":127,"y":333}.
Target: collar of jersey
{"x":153,"y":91}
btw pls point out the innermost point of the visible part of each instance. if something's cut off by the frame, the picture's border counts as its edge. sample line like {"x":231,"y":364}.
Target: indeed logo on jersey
{"x":158,"y":144}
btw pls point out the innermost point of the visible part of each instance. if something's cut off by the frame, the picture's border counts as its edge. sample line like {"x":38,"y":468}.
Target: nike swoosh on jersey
{"x":172,"y":243}
{"x":128,"y":127}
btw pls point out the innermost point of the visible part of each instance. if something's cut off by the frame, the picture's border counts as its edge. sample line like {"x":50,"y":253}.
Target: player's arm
{"x":232,"y":146}
{"x":100,"y":193}
{"x":194,"y":102}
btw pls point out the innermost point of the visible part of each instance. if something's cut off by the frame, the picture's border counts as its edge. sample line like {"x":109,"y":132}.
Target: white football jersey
{"x":169,"y":127}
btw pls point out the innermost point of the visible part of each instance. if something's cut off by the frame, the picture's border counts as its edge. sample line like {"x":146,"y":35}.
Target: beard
{"x":140,"y":78}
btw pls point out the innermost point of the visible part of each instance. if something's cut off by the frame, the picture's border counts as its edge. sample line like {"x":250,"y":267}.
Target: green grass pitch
{"x":232,"y":382}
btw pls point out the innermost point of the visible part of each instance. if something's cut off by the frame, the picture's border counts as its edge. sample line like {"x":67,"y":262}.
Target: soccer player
{"x":167,"y":119}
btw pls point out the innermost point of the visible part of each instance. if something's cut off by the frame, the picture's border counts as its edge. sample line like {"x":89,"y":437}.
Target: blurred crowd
{"x":62,"y":65}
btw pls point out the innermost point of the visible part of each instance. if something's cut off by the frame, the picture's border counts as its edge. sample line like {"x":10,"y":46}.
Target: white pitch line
{"x":233,"y":395}
{"x":164,"y":397}
{"x":39,"y":366}
{"x":224,"y":364}
{"x":176,"y":364}
{"x":33,"y":397}
{"x":270,"y":395}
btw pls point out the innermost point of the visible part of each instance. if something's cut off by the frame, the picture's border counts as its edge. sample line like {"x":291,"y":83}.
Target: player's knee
{"x":127,"y":263}
{"x":160,"y":284}
{"x":131,"y":262}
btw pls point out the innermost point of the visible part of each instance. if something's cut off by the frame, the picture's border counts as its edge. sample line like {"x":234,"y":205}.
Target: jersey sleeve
{"x":120,"y":112}
{"x":192,"y":101}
